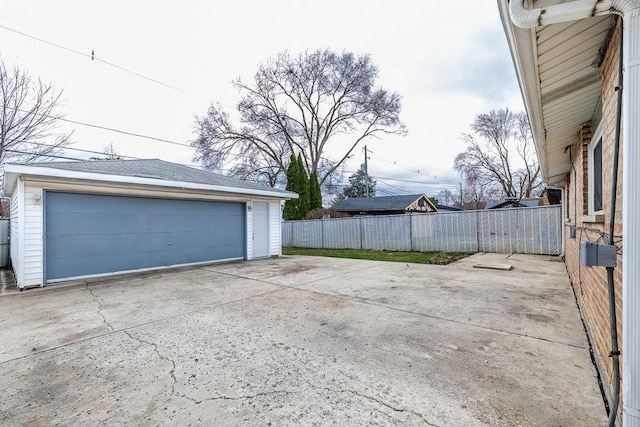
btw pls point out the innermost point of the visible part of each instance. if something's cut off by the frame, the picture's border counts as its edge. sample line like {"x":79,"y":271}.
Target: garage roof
{"x":145,"y":172}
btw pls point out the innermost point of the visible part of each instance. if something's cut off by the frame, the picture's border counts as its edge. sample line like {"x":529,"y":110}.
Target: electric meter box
{"x":593,"y":254}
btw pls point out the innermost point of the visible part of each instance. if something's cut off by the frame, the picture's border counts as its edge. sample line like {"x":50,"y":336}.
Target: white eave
{"x":556,"y":67}
{"x":13,"y":171}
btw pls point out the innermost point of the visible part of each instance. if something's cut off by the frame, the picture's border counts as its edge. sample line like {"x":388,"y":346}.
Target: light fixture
{"x":37,"y":198}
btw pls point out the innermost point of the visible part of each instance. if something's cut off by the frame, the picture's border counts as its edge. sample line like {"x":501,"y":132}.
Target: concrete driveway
{"x":303,"y":341}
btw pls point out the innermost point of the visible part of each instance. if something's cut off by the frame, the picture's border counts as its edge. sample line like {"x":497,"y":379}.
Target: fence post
{"x":361,"y":232}
{"x":477,"y":231}
{"x":411,"y":232}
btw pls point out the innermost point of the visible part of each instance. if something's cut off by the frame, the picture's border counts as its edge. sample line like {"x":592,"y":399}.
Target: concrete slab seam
{"x":363,"y":301}
{"x":305,"y":283}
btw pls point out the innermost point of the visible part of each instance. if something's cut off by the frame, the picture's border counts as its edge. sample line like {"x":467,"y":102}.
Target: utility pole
{"x":461,"y":193}
{"x":366,"y":172}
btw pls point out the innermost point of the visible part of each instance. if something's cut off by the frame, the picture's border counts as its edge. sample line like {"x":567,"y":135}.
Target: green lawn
{"x":413,"y":257}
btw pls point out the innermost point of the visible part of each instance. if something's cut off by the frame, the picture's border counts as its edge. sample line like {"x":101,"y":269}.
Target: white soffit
{"x":570,"y":82}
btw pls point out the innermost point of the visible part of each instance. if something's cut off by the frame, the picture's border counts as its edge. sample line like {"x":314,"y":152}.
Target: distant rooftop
{"x":514,"y":202}
{"x":382,"y":203}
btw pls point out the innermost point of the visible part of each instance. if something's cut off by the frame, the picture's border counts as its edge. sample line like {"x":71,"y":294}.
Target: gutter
{"x":557,"y":13}
{"x":629,"y":10}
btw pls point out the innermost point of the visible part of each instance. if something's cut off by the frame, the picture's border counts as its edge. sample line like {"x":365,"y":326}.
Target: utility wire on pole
{"x":366,"y":172}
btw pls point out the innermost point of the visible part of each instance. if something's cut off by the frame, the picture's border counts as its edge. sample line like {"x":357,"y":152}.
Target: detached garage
{"x":72,"y":220}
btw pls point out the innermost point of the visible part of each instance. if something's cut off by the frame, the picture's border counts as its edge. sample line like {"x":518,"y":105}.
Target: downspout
{"x":630,"y":12}
{"x":630,"y":218}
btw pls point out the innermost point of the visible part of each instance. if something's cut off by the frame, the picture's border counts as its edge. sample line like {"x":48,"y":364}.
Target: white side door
{"x":260,"y":229}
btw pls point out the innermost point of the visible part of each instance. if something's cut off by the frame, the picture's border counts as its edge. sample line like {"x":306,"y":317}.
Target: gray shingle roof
{"x":492,"y":204}
{"x":154,"y":169}
{"x":383,"y":203}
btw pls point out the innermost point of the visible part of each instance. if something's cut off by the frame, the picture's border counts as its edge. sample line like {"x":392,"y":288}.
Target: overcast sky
{"x":448,"y":60}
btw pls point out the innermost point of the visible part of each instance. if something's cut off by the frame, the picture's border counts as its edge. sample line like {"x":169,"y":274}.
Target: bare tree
{"x":109,"y":153}
{"x":476,"y":193}
{"x":298,"y":105}
{"x":448,"y":197}
{"x":28,"y":121}
{"x":500,"y":157}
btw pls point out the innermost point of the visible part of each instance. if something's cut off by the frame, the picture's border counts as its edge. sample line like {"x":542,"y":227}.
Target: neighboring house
{"x":386,"y":205}
{"x":568,"y":57}
{"x":445,"y":208}
{"x":514,"y":203}
{"x":72,"y":220}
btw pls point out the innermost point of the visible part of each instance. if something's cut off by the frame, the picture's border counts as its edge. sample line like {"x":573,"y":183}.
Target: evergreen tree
{"x":290,"y":211}
{"x":358,"y":185}
{"x":305,"y":196}
{"x":298,"y":182}
{"x":315,"y":193}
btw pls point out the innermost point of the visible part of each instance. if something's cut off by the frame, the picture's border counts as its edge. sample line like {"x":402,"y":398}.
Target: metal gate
{"x":4,"y":242}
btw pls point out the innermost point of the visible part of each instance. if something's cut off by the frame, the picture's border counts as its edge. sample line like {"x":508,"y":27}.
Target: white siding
{"x":32,"y":242}
{"x":14,"y":242}
{"x":249,"y":232}
{"x":275,"y":223}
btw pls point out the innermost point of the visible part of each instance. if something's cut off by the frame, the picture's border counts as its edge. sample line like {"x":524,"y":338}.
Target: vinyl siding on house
{"x":275,"y":225}
{"x":32,"y":236}
{"x":249,"y":231}
{"x":14,"y":242}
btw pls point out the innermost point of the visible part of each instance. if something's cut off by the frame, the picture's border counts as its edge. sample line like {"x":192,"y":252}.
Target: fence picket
{"x":533,"y":230}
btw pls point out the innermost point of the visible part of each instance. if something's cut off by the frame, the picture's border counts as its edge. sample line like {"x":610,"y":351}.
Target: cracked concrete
{"x":99,"y":303}
{"x":302,"y":341}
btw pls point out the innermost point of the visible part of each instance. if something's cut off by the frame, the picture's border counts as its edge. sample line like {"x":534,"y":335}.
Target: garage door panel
{"x":76,"y":246}
{"x":96,"y":234}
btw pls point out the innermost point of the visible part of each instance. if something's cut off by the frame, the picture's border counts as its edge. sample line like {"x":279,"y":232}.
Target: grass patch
{"x":441,"y":258}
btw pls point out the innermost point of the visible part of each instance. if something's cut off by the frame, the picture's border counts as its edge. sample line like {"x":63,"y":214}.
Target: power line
{"x":414,"y":182}
{"x":93,"y":58}
{"x":392,"y":186}
{"x":54,"y":156}
{"x":66,"y":148}
{"x":124,"y":132}
{"x":138,"y":135}
{"x":409,"y":169}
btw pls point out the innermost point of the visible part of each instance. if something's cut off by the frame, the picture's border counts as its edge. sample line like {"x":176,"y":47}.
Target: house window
{"x":595,"y":173}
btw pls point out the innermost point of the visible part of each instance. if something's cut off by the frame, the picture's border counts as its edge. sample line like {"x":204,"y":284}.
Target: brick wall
{"x":590,"y":284}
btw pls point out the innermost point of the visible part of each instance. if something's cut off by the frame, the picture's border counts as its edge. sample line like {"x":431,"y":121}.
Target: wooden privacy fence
{"x":535,"y":230}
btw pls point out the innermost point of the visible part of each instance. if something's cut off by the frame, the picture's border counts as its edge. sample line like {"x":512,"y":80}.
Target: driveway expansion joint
{"x":431,"y":316}
{"x":331,"y":276}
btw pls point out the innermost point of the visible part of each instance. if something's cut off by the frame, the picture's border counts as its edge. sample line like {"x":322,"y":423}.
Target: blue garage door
{"x":90,"y":234}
